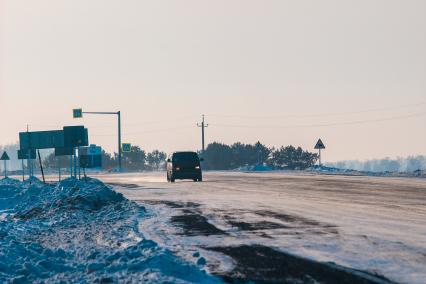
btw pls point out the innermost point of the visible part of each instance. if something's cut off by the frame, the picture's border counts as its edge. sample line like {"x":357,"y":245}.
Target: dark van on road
{"x":184,"y":165}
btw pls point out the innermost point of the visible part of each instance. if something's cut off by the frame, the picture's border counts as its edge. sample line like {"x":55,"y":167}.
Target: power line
{"x":181,"y":118}
{"x":324,"y":124}
{"x":159,"y":130}
{"x":319,"y":114}
{"x":127,"y":124}
{"x":143,"y":132}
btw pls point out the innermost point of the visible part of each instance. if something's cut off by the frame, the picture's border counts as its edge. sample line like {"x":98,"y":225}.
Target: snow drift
{"x":79,"y":231}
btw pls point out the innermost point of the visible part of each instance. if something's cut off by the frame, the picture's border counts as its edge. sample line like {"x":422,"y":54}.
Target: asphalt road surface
{"x":286,"y":226}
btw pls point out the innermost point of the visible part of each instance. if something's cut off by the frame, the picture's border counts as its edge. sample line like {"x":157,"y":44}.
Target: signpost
{"x":319,"y":146}
{"x":26,"y":155}
{"x":127,"y":147}
{"x":64,"y":151}
{"x":74,"y":137}
{"x":64,"y":141}
{"x":5,"y":158}
{"x":78,"y":113}
{"x":90,"y":157}
{"x":41,"y":166}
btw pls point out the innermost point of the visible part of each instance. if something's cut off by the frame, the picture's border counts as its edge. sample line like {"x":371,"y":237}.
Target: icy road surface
{"x":370,"y":224}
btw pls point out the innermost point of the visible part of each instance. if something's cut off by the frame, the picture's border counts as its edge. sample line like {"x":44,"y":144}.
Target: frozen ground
{"x":336,"y":171}
{"x":81,"y":232}
{"x":241,"y":221}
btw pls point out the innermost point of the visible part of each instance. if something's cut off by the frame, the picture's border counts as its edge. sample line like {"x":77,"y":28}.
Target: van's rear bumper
{"x":187,"y":174}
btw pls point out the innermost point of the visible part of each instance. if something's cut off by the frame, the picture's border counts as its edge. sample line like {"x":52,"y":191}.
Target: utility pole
{"x":29,"y":162}
{"x":203,"y":125}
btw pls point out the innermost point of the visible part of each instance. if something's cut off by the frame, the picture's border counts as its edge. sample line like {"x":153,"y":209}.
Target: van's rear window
{"x":185,"y":157}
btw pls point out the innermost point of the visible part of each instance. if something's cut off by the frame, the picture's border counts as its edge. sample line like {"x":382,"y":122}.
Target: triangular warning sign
{"x":319,"y":145}
{"x":4,"y":157}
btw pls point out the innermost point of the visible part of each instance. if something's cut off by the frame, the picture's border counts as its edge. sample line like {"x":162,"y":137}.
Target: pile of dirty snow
{"x":80,"y":231}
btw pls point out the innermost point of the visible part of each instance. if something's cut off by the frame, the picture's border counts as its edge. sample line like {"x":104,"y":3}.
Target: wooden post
{"x":41,"y":166}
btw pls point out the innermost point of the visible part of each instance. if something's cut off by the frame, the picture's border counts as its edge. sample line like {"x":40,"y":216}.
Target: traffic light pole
{"x":118,"y":113}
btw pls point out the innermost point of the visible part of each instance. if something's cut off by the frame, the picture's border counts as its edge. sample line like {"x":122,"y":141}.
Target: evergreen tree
{"x":156,"y":159}
{"x":292,"y":158}
{"x":135,"y":159}
{"x":218,"y":156}
{"x":52,"y":161}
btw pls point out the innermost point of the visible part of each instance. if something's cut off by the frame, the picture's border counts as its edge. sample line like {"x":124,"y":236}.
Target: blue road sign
{"x":127,"y":147}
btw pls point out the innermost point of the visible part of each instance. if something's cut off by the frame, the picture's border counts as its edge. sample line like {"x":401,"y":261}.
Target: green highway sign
{"x":70,"y":136}
{"x":127,"y":147}
{"x":77,"y":113}
{"x":27,"y":154}
{"x":75,"y":136}
{"x":41,"y":139}
{"x":64,"y":151}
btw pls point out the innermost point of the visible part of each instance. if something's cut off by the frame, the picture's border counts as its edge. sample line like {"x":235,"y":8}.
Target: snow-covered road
{"x":371,"y":224}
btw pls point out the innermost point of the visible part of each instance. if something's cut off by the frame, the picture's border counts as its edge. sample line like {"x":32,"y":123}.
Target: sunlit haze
{"x":282,"y":72}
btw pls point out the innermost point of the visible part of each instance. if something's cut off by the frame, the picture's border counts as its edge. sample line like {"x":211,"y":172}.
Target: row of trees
{"x":220,"y":156}
{"x":136,"y":160}
{"x":217,"y":156}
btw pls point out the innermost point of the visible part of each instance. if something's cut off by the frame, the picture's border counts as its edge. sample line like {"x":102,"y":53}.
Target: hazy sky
{"x":283,"y":72}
